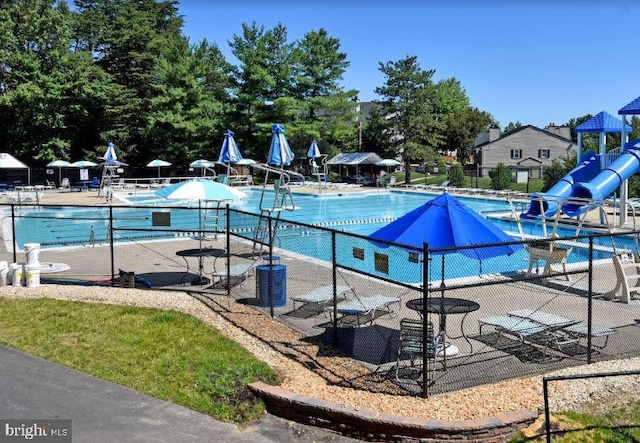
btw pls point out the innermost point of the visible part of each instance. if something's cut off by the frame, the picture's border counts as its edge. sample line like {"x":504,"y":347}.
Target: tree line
{"x":74,"y":77}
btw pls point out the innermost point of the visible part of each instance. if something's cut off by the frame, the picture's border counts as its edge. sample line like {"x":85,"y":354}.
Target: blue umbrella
{"x":110,"y":154}
{"x":229,"y":152}
{"x":280,"y":153}
{"x":314,"y":151}
{"x":444,"y":222}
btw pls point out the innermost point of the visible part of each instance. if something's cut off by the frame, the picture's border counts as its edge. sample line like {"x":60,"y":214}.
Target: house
{"x":525,"y":151}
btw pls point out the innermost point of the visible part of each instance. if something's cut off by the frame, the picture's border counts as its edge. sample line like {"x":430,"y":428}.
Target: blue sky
{"x":537,"y":62}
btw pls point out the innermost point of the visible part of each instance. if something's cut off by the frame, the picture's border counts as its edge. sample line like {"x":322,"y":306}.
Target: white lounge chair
{"x":238,"y":272}
{"x":364,"y":309}
{"x":319,"y":297}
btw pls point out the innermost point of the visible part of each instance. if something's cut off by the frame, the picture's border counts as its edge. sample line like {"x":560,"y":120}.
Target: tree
{"x":552,"y":174}
{"x":500,"y":178}
{"x":409,"y":107}
{"x":35,"y":75}
{"x":512,"y":127}
{"x":263,"y":76}
{"x":190,"y":105}
{"x":461,"y":129}
{"x":456,"y":175}
{"x":126,"y":39}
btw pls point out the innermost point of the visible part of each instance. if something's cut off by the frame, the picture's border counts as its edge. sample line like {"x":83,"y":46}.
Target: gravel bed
{"x":285,"y":350}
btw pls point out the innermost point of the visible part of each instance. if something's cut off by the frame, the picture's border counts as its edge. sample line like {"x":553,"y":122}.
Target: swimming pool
{"x":360,"y":213}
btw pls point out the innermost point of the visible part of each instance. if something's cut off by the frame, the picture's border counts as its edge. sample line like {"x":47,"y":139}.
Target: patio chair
{"x":317,"y":298}
{"x":65,"y":184}
{"x":362,"y":310}
{"x":411,"y":343}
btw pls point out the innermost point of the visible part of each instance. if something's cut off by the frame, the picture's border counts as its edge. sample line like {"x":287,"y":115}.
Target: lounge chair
{"x":238,"y":272}
{"x":627,"y":279}
{"x":319,"y":297}
{"x":361,"y":310}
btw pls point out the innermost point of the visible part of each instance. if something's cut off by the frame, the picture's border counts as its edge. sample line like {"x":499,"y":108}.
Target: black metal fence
{"x":419,"y":321}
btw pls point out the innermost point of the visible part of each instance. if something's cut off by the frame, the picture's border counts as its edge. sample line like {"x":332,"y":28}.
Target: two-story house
{"x":526,"y":149}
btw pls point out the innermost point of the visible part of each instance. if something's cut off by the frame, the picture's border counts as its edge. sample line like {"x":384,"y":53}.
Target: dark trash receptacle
{"x":278,"y":282}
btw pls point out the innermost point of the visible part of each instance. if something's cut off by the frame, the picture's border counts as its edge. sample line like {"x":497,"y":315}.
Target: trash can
{"x":278,"y":282}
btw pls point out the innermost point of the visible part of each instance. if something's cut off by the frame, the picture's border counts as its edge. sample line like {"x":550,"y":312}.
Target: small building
{"x":355,"y":163}
{"x":528,"y":148}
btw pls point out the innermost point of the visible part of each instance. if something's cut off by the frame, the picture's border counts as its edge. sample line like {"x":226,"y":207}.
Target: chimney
{"x":494,"y":134}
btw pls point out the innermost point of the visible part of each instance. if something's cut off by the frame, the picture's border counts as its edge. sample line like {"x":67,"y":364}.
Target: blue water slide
{"x":585,"y":171}
{"x":606,"y":182}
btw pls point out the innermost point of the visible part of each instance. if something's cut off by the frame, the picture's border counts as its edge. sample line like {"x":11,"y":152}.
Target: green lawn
{"x":167,"y":354}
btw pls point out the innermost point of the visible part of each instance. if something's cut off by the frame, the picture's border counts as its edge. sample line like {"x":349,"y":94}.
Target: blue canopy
{"x":280,"y":153}
{"x":314,"y":151}
{"x":602,"y":122}
{"x":444,"y":222}
{"x":632,"y":108}
{"x":229,"y":152}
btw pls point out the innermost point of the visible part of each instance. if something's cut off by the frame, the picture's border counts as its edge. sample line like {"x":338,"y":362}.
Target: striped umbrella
{"x":157,"y":163}
{"x":280,"y":153}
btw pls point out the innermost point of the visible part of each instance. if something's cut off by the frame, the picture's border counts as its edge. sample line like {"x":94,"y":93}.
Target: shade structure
{"x":229,"y":153}
{"x":157,"y":163}
{"x":59,"y":164}
{"x":280,"y":153}
{"x":445,"y":222}
{"x":8,"y":161}
{"x":314,"y":151}
{"x":199,"y":189}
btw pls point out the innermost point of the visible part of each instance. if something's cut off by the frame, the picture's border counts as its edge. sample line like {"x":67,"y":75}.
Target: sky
{"x":537,"y":62}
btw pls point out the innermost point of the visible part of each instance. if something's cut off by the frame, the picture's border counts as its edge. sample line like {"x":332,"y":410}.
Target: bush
{"x":456,"y":175}
{"x":500,"y":178}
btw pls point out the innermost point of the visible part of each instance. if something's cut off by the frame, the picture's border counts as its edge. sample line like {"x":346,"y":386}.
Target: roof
{"x":509,"y":134}
{"x":602,"y":122}
{"x":10,"y":162}
{"x":355,"y":158}
{"x":631,"y":108}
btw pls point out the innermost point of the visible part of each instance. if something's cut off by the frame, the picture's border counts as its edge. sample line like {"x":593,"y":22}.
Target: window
{"x":543,"y":153}
{"x":516,"y":153}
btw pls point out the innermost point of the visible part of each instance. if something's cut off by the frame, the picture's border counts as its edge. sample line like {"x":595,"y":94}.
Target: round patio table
{"x":200,"y":254}
{"x":443,"y":306}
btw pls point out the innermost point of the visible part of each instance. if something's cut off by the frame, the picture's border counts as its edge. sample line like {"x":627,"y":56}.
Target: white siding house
{"x":527,"y":148}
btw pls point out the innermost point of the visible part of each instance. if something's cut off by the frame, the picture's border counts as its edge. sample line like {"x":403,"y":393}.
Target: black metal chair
{"x":411,"y":343}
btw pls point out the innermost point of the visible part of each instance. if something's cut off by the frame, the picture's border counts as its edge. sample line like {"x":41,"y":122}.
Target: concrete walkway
{"x":33,"y":388}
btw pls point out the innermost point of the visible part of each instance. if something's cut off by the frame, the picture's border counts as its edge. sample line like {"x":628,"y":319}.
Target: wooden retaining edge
{"x":371,"y":425}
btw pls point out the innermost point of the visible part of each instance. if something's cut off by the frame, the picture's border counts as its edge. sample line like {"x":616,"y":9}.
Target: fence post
{"x":547,"y":415}
{"x":228,"y":245}
{"x":270,"y":274}
{"x":334,"y":265}
{"x":113,"y":264}
{"x":590,"y":300}
{"x":425,"y":322}
{"x":13,"y":232}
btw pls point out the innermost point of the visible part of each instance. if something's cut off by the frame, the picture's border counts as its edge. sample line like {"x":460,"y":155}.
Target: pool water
{"x":359,"y":213}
